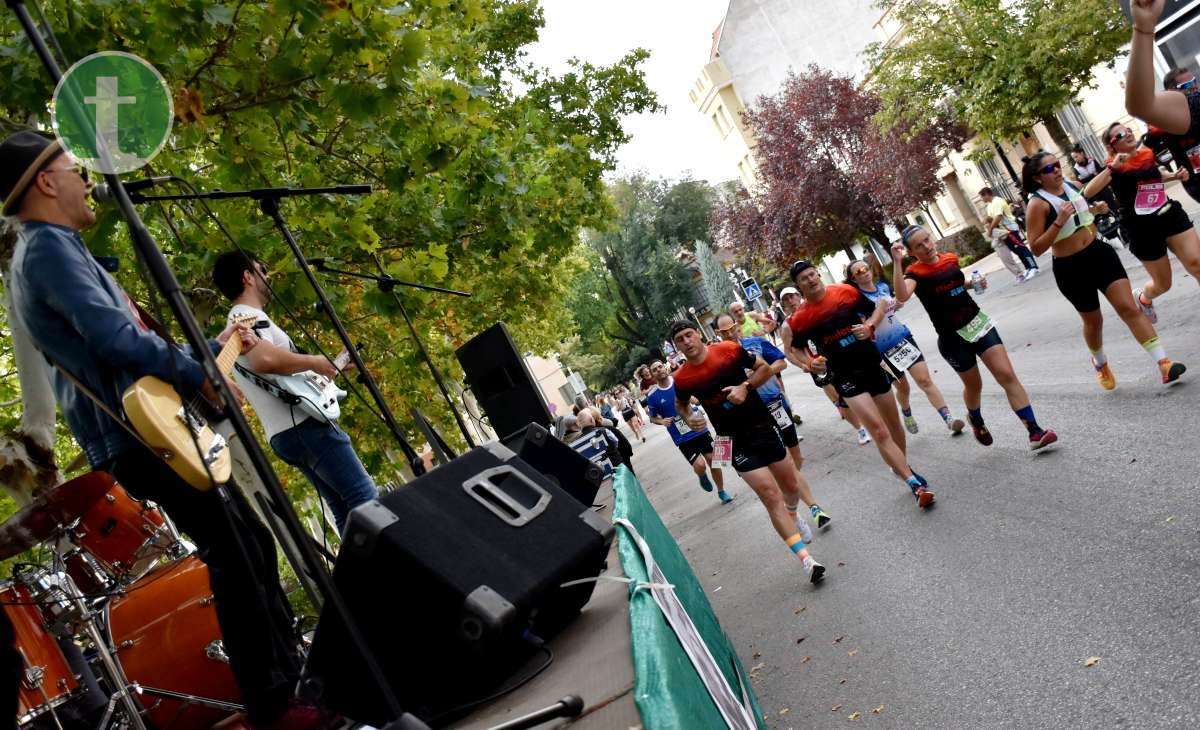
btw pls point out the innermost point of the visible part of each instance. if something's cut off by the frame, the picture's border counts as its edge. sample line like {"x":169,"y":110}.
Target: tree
{"x":1000,"y":67}
{"x":828,"y":174}
{"x":485,"y":169}
{"x":717,"y":287}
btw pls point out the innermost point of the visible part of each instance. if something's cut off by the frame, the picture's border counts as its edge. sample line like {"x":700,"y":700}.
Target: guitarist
{"x":80,"y":318}
{"x":315,"y":446}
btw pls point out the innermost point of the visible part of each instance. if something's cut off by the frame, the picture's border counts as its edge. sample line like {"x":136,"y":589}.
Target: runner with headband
{"x":965,"y":333}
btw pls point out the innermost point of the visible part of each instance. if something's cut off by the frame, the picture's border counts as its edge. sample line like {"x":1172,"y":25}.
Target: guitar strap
{"x":290,"y":399}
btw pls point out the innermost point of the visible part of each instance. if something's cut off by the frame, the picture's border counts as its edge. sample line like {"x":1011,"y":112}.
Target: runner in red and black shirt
{"x":840,"y":320}
{"x":964,"y":331}
{"x":715,"y":377}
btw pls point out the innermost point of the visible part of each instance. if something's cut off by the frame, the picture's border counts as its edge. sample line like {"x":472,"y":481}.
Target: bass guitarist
{"x":314,"y":445}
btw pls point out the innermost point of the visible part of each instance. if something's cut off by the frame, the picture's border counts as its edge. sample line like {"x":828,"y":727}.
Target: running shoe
{"x":1031,"y":273}
{"x":814,"y":570}
{"x":1147,"y":306}
{"x":1105,"y":376}
{"x":956,"y":425}
{"x":1171,"y":370}
{"x":725,"y":498}
{"x":705,"y":484}
{"x":1020,"y":278}
{"x":982,"y":434}
{"x":1042,"y":439}
{"x":797,"y":420}
{"x":821,"y":517}
{"x":924,"y":497}
{"x":911,"y":424}
{"x":863,"y":437}
{"x":922,"y":481}
{"x":805,"y":530}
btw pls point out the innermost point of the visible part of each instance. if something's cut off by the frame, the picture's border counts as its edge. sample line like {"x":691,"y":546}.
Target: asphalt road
{"x":985,"y":611}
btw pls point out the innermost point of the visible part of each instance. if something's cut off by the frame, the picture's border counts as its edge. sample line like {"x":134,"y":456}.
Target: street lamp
{"x":699,"y":324}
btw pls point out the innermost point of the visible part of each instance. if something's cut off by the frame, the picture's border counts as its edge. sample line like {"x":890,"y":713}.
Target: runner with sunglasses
{"x":1061,"y":219}
{"x":965,"y":333}
{"x":1184,"y":148}
{"x":898,"y":347}
{"x":842,"y":322}
{"x":772,"y":395}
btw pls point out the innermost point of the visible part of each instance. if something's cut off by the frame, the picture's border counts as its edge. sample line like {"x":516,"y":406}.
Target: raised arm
{"x":1164,"y":109}
{"x":901,"y":287}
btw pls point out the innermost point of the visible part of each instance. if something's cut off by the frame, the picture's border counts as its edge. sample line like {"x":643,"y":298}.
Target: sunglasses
{"x":77,"y":168}
{"x":1120,"y":135}
{"x":1187,"y":85}
{"x":1051,"y":168}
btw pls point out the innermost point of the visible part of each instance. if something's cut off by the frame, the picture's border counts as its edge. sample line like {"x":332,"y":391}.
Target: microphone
{"x":102,"y":193}
{"x":320,"y":261}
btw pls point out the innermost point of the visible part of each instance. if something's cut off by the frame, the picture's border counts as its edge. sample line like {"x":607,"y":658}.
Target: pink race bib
{"x":1150,"y":197}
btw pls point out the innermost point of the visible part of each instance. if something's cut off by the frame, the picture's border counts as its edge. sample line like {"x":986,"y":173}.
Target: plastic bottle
{"x":976,"y":281}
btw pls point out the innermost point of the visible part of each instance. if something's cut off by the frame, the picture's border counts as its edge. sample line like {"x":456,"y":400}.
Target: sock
{"x":913,"y":483}
{"x":791,"y":509}
{"x":944,"y":412}
{"x":1026,"y":416}
{"x":1099,"y":357}
{"x":975,"y":416}
{"x":705,"y":483}
{"x":907,"y":412}
{"x":1144,"y":299}
{"x":1155,"y":348}
{"x":796,"y":545}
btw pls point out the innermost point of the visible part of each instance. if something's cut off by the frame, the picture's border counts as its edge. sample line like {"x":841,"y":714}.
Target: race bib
{"x":722,"y":452}
{"x":977,"y":327}
{"x":681,"y":426}
{"x":1150,"y":197}
{"x":1193,"y":156}
{"x":779,"y":413}
{"x":903,"y":355}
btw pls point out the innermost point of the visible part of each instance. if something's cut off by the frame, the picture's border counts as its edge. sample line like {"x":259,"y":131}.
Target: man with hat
{"x":85,"y":324}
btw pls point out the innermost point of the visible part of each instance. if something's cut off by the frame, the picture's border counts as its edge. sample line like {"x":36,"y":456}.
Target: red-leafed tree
{"x":827,"y":173}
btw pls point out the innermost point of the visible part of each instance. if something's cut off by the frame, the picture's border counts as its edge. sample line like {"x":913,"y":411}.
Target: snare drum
{"x":125,"y":535}
{"x":47,"y":681}
{"x":165,"y":636}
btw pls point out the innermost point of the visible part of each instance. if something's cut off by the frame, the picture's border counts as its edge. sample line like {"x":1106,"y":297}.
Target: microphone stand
{"x":168,"y":285}
{"x":388,"y":284}
{"x":268,"y":200}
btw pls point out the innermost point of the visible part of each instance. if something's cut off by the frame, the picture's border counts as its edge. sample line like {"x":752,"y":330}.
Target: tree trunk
{"x":1058,"y":134}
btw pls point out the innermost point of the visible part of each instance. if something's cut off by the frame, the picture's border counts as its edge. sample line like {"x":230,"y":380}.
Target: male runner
{"x":715,"y":375}
{"x":696,"y":445}
{"x":841,"y":321}
{"x":772,"y":396}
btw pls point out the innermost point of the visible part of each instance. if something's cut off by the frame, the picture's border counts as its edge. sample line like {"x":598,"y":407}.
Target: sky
{"x":678,"y":35}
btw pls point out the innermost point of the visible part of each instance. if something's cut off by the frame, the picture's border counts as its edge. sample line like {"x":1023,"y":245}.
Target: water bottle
{"x":976,"y":281}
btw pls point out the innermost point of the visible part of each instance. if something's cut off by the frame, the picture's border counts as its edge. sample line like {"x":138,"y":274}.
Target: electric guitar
{"x":175,"y":429}
{"x":315,"y":394}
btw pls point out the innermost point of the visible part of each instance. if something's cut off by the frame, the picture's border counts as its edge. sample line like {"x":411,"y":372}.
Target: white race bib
{"x":782,"y":419}
{"x":903,"y":355}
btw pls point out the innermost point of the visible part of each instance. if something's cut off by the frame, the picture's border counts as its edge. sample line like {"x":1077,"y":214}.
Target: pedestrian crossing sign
{"x":751,"y":289}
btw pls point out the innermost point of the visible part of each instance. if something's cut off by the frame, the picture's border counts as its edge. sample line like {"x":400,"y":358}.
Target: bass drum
{"x":165,"y":636}
{"x":47,"y":681}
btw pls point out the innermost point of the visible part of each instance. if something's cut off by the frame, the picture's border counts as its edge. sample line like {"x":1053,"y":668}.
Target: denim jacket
{"x":78,"y":314}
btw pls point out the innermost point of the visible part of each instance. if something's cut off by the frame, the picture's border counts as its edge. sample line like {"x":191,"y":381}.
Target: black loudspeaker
{"x":501,"y":381}
{"x":564,"y":466}
{"x":449,"y":578}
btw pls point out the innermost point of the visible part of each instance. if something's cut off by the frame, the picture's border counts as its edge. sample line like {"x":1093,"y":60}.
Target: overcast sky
{"x":678,"y":34}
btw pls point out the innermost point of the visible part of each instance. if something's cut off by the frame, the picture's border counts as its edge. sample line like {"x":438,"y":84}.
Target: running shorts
{"x":895,"y":371}
{"x":789,"y":435}
{"x":628,"y":415}
{"x":961,"y":354}
{"x":1083,"y":275}
{"x":872,"y":380}
{"x":1148,"y":234}
{"x":757,"y":449}
{"x":696,"y":447}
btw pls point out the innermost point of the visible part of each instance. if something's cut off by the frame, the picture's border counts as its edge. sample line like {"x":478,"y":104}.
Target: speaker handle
{"x":486,"y":490}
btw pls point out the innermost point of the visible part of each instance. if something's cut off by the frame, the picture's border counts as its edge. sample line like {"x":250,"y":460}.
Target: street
{"x":986,"y":611}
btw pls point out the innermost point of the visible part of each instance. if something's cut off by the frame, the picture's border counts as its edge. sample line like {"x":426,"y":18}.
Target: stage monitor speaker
{"x":449,"y":578}
{"x":565,"y":466}
{"x":501,"y":381}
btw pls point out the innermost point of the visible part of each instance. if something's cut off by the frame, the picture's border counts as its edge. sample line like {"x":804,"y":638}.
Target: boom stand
{"x":165,"y":280}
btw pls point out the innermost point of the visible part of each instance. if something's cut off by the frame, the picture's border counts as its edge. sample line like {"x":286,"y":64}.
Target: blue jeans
{"x":324,"y":454}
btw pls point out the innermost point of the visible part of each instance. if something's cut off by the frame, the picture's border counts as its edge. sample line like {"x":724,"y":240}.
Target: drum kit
{"x":119,"y":630}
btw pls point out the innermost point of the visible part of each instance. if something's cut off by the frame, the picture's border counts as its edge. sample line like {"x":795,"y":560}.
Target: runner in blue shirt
{"x":697,"y":446}
{"x":900,"y":352}
{"x":772,"y":395}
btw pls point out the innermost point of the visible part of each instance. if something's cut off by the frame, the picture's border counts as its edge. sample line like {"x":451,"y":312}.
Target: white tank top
{"x":1082,"y":218}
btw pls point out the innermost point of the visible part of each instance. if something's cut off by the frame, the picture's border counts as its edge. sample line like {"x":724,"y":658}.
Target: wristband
{"x":1056,"y":223}
{"x":1144,"y":32}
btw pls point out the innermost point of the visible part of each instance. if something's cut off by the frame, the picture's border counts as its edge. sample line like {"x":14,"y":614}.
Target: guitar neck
{"x":229,"y":355}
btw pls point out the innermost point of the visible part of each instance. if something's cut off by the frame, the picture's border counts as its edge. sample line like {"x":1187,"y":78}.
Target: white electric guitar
{"x":311,"y":392}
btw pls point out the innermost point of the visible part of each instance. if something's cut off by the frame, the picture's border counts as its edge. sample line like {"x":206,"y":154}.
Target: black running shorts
{"x":1148,"y":234}
{"x":789,"y":435}
{"x":871,"y":380}
{"x":696,"y":447}
{"x":961,"y":354}
{"x":1082,"y":276}
{"x":758,"y":449}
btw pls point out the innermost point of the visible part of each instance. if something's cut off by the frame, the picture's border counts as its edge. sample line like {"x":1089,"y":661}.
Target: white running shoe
{"x":814,"y":570}
{"x":1031,"y":273}
{"x":864,"y":438}
{"x":1147,"y":309}
{"x":805,"y":530}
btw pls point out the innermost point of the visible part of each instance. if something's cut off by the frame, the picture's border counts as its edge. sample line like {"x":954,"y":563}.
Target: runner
{"x":790,"y":298}
{"x":899,"y":349}
{"x":715,"y":376}
{"x":696,"y":444}
{"x":1153,"y":222}
{"x":964,"y":331}
{"x":1083,"y":266}
{"x":630,"y":414}
{"x":842,"y":321}
{"x":777,"y":404}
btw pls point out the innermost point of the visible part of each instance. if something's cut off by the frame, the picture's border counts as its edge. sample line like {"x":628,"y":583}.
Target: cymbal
{"x":54,"y":508}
